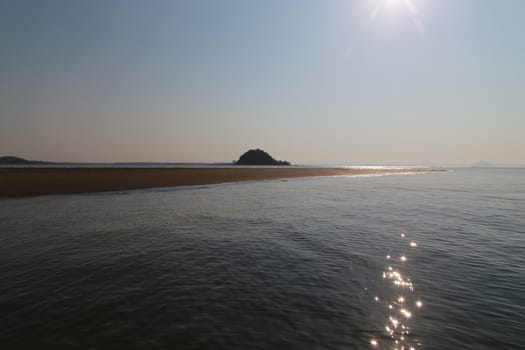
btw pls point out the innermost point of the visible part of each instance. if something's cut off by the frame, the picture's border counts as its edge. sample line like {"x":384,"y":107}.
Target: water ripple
{"x":306,"y":264}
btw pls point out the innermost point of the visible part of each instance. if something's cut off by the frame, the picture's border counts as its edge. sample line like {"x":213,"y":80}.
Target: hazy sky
{"x":324,"y":81}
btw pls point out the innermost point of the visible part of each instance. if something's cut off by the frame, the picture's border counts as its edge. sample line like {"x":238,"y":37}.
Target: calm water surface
{"x":429,"y":261}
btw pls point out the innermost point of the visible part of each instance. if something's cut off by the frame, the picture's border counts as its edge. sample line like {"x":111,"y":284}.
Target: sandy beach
{"x":20,"y":182}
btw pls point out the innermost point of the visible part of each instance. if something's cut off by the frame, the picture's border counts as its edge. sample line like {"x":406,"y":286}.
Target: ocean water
{"x":423,"y":261}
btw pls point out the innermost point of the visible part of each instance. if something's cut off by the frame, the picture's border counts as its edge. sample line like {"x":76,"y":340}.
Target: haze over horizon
{"x":365,"y":81}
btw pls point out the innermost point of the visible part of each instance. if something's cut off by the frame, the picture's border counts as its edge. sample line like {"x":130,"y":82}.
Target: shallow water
{"x":301,"y":263}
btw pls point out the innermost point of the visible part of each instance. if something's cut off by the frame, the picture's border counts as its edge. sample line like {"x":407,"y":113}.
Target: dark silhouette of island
{"x":259,"y":157}
{"x":10,"y":160}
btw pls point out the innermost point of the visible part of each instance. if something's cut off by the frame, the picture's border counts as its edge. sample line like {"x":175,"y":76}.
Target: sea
{"x":417,"y":261}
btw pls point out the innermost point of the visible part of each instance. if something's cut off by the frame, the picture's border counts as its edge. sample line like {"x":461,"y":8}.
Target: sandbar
{"x":22,"y":182}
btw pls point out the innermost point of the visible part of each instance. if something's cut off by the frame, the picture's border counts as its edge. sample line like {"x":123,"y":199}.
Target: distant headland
{"x":259,"y":157}
{"x":10,"y":160}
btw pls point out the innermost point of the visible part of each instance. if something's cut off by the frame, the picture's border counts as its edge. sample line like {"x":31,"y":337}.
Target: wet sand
{"x":20,"y":182}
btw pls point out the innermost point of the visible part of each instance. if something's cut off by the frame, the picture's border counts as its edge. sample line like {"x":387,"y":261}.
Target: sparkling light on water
{"x":398,"y":305}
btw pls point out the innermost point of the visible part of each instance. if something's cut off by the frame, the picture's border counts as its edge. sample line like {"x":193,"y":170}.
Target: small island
{"x":258,"y":157}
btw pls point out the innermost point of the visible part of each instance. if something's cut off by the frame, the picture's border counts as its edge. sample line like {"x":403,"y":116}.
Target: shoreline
{"x":26,"y":182}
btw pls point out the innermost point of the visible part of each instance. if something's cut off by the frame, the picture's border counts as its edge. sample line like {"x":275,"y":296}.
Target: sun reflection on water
{"x":398,"y":305}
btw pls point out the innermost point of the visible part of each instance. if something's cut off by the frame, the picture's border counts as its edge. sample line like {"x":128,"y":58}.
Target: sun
{"x":407,"y":4}
{"x":381,"y":6}
{"x":392,"y":2}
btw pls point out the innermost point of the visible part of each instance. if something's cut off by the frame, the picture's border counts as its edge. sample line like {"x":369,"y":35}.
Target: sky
{"x":312,"y":82}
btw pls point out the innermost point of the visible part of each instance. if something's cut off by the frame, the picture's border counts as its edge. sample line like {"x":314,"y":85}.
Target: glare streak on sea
{"x":423,"y":261}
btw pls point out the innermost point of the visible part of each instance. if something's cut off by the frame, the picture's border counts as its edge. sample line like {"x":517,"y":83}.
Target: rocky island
{"x":259,"y":157}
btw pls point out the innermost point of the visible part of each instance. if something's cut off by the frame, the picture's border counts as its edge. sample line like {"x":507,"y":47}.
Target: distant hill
{"x":258,"y":157}
{"x":10,"y":160}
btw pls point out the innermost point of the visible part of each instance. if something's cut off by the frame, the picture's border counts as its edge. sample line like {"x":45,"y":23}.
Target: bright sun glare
{"x":381,"y":6}
{"x":406,"y":3}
